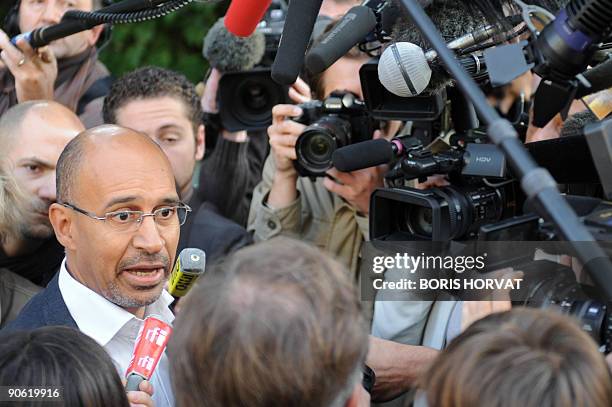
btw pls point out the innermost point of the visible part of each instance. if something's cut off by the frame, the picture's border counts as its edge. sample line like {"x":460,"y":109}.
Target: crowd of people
{"x":104,"y":180}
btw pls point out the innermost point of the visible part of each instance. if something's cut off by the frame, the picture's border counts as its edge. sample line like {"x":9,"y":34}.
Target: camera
{"x":336,"y":122}
{"x":246,"y":98}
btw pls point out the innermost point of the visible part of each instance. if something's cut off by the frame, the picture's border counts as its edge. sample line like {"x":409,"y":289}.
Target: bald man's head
{"x":109,"y":140}
{"x":25,"y":117}
{"x":32,"y":137}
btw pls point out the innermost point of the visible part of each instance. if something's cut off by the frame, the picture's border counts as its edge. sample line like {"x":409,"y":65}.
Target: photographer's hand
{"x":283,"y":134}
{"x":357,"y":186}
{"x":299,"y":92}
{"x":35,"y":71}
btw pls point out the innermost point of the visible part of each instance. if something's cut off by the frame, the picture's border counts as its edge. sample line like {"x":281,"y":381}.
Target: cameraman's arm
{"x":397,"y":366}
{"x":276,"y":207}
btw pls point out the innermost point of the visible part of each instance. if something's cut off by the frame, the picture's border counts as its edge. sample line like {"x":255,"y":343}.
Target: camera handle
{"x":537,"y":182}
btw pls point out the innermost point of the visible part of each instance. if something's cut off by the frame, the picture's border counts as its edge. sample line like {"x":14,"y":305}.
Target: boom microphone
{"x":243,"y":16}
{"x":600,"y":78}
{"x":148,"y":350}
{"x":190,"y":265}
{"x":352,"y":28}
{"x":301,"y":17}
{"x":229,"y":53}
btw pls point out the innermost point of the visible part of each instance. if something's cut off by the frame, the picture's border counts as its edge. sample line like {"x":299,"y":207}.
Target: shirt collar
{"x":99,"y":318}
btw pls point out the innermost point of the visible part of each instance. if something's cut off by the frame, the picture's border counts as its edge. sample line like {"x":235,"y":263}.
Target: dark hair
{"x":523,"y":357}
{"x":152,"y":82}
{"x":278,"y":324}
{"x":59,"y":356}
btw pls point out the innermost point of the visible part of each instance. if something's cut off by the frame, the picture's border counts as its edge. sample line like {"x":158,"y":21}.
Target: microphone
{"x":148,"y":350}
{"x":190,"y":265}
{"x":229,"y":53}
{"x":300,"y":20}
{"x":68,"y":25}
{"x":243,"y":16}
{"x":404,"y":69}
{"x":600,"y":78}
{"x":370,"y":153}
{"x":351,"y":29}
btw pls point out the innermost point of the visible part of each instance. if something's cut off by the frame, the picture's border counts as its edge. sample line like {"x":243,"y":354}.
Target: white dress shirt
{"x":116,"y":329}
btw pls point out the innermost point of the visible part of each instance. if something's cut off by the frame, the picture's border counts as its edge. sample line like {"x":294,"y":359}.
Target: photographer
{"x":331,"y":212}
{"x":67,"y":70}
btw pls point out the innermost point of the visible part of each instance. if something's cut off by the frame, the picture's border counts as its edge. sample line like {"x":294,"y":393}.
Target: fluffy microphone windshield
{"x":230,"y":53}
{"x":455,"y":18}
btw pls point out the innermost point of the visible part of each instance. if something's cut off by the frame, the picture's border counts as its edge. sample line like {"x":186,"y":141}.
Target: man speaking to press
{"x":118,"y":215}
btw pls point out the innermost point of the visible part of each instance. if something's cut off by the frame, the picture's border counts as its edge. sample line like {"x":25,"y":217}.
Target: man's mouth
{"x":145,"y":274}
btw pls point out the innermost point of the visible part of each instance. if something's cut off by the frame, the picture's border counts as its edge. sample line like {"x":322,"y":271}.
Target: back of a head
{"x":523,"y":357}
{"x":278,"y":324}
{"x":53,"y":357}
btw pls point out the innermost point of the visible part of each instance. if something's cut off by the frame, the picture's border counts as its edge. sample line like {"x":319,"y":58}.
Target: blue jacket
{"x":47,"y":308}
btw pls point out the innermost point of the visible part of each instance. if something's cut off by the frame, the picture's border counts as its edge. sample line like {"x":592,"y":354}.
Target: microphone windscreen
{"x":299,"y":23}
{"x":229,"y":53}
{"x":363,"y":155}
{"x":353,"y":27}
{"x":243,"y":16}
{"x":403,"y":69}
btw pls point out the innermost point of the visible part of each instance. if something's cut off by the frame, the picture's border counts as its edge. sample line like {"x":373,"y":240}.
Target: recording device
{"x":74,"y":21}
{"x":338,"y":121}
{"x":301,"y":17}
{"x":148,"y":350}
{"x":353,"y":28}
{"x":189,"y":266}
{"x":243,"y":16}
{"x":246,"y":91}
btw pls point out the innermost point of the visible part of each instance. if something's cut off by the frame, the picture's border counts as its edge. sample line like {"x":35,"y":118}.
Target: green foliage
{"x":173,"y":42}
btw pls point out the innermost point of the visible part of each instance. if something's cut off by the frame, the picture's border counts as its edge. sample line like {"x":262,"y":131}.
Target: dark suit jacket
{"x":47,"y":308}
{"x":207,"y":230}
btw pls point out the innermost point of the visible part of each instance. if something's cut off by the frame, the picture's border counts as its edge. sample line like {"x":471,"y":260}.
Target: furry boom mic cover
{"x":456,"y":18}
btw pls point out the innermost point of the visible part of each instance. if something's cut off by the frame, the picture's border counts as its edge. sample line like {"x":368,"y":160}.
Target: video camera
{"x":247,"y":97}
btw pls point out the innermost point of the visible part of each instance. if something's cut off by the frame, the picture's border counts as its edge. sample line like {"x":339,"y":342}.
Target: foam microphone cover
{"x":229,"y":53}
{"x":351,"y":29}
{"x":243,"y":16}
{"x":363,"y":155}
{"x":403,"y":69}
{"x":300,"y":20}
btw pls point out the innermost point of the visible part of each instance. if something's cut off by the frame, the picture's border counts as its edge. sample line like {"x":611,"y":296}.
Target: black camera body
{"x":336,"y":122}
{"x":246,"y":98}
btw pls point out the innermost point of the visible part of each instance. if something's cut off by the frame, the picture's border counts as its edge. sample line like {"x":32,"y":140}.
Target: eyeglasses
{"x":130,"y":221}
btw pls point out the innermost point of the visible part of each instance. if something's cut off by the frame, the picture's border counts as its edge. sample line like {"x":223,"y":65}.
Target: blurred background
{"x":173,"y":42}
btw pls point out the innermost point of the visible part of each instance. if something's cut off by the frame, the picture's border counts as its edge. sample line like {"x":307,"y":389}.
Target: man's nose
{"x":53,"y":13}
{"x":47,"y":189}
{"x":148,"y":237}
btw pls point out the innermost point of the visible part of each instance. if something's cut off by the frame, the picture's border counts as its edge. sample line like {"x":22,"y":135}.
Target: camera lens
{"x":318,"y":148}
{"x":317,"y":143}
{"x":420,"y":221}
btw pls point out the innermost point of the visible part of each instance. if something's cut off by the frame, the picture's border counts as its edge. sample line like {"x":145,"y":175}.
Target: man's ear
{"x":61,"y":219}
{"x":200,"y":143}
{"x":94,"y":34}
